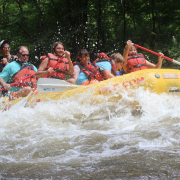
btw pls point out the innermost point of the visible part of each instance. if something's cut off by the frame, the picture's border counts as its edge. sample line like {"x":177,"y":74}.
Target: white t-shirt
{"x":77,"y":69}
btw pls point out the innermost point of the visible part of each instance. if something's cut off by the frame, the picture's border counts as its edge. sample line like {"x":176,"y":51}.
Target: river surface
{"x":79,"y":139}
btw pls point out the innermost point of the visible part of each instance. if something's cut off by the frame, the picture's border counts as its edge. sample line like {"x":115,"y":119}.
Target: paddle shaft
{"x":148,"y":50}
{"x":54,"y":66}
{"x":19,"y":81}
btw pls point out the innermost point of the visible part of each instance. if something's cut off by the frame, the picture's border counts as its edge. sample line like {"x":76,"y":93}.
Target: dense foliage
{"x":98,"y":25}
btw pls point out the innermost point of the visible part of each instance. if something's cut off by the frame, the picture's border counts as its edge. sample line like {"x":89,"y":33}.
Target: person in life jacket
{"x":16,"y":71}
{"x":27,"y":69}
{"x":54,"y":65}
{"x":119,"y":63}
{"x":85,"y":72}
{"x":106,"y":65}
{"x":135,"y":61}
{"x":6,"y":58}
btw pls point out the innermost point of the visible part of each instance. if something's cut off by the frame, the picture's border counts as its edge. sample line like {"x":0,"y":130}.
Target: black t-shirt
{"x":5,"y":92}
{"x":3,"y":65}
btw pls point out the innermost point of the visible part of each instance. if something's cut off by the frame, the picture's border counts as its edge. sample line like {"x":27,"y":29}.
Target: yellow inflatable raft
{"x":156,"y":80}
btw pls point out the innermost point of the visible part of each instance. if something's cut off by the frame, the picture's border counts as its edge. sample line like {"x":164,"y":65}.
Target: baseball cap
{"x":4,"y":41}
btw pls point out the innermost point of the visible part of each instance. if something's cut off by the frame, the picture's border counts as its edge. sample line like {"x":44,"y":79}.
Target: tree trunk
{"x":85,"y":23}
{"x":153,"y":24}
{"x":124,"y":20}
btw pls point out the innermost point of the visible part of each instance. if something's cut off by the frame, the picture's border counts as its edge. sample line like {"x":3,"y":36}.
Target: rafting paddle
{"x":148,"y":50}
{"x":20,"y":81}
{"x":47,"y":85}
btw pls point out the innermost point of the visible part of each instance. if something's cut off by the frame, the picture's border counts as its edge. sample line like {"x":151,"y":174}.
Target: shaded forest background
{"x":97,"y":25}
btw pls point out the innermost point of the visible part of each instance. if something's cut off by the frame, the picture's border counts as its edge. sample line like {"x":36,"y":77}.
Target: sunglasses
{"x":5,"y":48}
{"x":25,"y":55}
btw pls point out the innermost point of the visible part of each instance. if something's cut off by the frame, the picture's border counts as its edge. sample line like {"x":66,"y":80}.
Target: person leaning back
{"x":135,"y":61}
{"x":18,"y":70}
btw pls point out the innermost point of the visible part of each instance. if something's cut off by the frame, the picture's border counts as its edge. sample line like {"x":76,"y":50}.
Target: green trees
{"x":98,"y":25}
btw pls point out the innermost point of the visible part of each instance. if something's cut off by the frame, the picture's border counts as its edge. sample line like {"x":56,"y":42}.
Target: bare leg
{"x":24,"y":91}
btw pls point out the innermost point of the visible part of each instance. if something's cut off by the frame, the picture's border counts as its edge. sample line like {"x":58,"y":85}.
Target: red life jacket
{"x":103,"y":57}
{"x":93,"y":72}
{"x":60,"y":69}
{"x":27,"y":69}
{"x":136,"y":63}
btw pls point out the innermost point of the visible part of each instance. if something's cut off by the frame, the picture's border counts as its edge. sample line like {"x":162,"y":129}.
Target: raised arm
{"x":125,"y":55}
{"x":71,"y":67}
{"x":158,"y":65}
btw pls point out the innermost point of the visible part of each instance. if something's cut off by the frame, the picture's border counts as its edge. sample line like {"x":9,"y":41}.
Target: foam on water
{"x":78,"y":131}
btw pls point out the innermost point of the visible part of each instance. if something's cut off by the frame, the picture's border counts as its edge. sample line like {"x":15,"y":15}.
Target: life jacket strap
{"x":137,"y":66}
{"x":134,"y":57}
{"x":59,"y":71}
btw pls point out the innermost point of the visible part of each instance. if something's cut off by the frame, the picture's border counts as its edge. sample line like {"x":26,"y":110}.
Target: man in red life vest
{"x":16,"y":71}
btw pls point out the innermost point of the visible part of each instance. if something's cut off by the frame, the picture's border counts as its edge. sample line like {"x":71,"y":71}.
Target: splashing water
{"x":135,"y":138}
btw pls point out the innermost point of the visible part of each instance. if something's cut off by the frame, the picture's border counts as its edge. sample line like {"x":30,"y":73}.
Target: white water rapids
{"x":79,"y":139}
